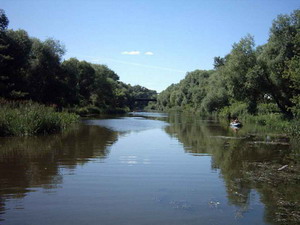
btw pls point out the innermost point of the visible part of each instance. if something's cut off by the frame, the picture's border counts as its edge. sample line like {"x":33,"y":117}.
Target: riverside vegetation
{"x":34,"y":69}
{"x":31,"y":69}
{"x":260,"y":84}
{"x":29,"y":118}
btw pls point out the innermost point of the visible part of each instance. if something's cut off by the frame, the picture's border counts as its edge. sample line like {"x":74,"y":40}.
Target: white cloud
{"x":136,"y":53}
{"x":149,"y":53}
{"x":131,"y":53}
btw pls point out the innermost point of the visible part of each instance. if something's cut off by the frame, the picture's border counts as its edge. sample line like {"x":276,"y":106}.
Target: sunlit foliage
{"x":34,"y":69}
{"x":249,"y":75}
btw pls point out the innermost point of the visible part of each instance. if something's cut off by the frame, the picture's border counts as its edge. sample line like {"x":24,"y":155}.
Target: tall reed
{"x":18,"y":118}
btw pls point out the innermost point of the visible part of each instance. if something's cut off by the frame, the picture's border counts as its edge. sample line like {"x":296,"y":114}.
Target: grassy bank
{"x":267,"y":116}
{"x":29,"y":118}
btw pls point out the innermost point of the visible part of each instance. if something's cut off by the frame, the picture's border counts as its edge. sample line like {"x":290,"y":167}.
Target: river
{"x":150,"y":168}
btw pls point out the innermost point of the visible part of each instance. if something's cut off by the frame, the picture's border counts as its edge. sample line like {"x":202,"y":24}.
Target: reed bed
{"x":27,"y":118}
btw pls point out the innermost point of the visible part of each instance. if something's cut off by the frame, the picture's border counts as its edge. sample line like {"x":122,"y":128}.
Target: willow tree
{"x":242,"y":82}
{"x":280,"y":57}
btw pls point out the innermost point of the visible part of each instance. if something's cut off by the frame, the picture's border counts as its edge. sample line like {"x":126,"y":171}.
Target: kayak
{"x":234,"y":124}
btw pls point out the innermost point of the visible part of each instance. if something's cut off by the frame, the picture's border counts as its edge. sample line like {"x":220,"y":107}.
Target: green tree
{"x":217,"y":95}
{"x":280,"y":57}
{"x":86,"y":80}
{"x":3,"y":20}
{"x":105,"y":83}
{"x":218,"y":62}
{"x":241,"y":80}
{"x":71,"y":80}
{"x":15,"y":47}
{"x":45,"y":74}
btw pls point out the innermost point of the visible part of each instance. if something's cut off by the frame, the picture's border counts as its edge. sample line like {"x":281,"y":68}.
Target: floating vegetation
{"x":277,"y":178}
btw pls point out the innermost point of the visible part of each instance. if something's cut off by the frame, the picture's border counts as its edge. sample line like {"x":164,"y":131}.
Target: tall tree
{"x":71,"y":81}
{"x":15,"y":48}
{"x":280,"y":57}
{"x":241,"y":81}
{"x":45,"y":74}
{"x":3,"y":20}
{"x":86,"y":80}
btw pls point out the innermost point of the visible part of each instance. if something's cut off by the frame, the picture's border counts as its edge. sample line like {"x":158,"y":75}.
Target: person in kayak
{"x":236,"y":120}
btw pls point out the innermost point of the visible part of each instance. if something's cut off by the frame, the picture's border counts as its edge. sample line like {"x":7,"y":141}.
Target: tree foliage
{"x":35,"y":69}
{"x":248,"y":75}
{"x":3,"y":20}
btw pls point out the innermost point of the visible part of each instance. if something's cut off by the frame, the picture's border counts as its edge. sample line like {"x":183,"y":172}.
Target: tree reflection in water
{"x":247,"y":160}
{"x":240,"y":156}
{"x":34,"y":162}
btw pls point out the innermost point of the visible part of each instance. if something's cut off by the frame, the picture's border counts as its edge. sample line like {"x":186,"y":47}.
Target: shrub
{"x":294,"y":128}
{"x":234,"y":110}
{"x":271,"y":120}
{"x":266,"y":108}
{"x":88,"y":110}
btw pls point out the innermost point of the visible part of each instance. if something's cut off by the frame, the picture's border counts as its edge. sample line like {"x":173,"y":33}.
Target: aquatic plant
{"x":25,"y":118}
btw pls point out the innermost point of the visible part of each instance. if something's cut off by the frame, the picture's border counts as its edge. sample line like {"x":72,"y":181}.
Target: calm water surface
{"x":144,"y":168}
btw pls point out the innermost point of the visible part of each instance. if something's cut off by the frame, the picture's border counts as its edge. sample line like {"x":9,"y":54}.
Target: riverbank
{"x":268,"y":119}
{"x":91,"y":110}
{"x":275,"y":121}
{"x":26,"y":118}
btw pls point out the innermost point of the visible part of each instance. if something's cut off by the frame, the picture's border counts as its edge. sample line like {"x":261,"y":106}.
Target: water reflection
{"x":240,"y":157}
{"x":181,"y":169}
{"x":35,"y":162}
{"x":128,"y":124}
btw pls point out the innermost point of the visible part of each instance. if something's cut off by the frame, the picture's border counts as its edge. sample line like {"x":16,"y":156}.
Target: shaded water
{"x":149,"y":169}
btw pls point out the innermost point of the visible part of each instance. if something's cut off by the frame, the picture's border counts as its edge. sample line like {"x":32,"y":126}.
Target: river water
{"x":149,"y":168}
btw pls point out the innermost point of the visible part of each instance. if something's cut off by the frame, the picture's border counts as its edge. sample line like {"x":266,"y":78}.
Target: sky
{"x":153,"y":43}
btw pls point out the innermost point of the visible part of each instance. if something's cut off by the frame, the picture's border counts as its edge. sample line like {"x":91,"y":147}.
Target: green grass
{"x":294,"y":129}
{"x":29,"y":118}
{"x":267,"y":116}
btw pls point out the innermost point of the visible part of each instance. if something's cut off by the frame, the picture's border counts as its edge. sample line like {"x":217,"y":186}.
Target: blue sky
{"x":148,"y":42}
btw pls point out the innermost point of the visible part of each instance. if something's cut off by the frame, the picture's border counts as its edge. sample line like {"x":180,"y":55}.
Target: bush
{"x":266,"y":108}
{"x":28,"y":118}
{"x":234,"y":110}
{"x":271,"y":120}
{"x":88,"y":110}
{"x":294,"y":128}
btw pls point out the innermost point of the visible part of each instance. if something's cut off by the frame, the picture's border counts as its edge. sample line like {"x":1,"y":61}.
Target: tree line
{"x":250,"y":78}
{"x":34,"y":69}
